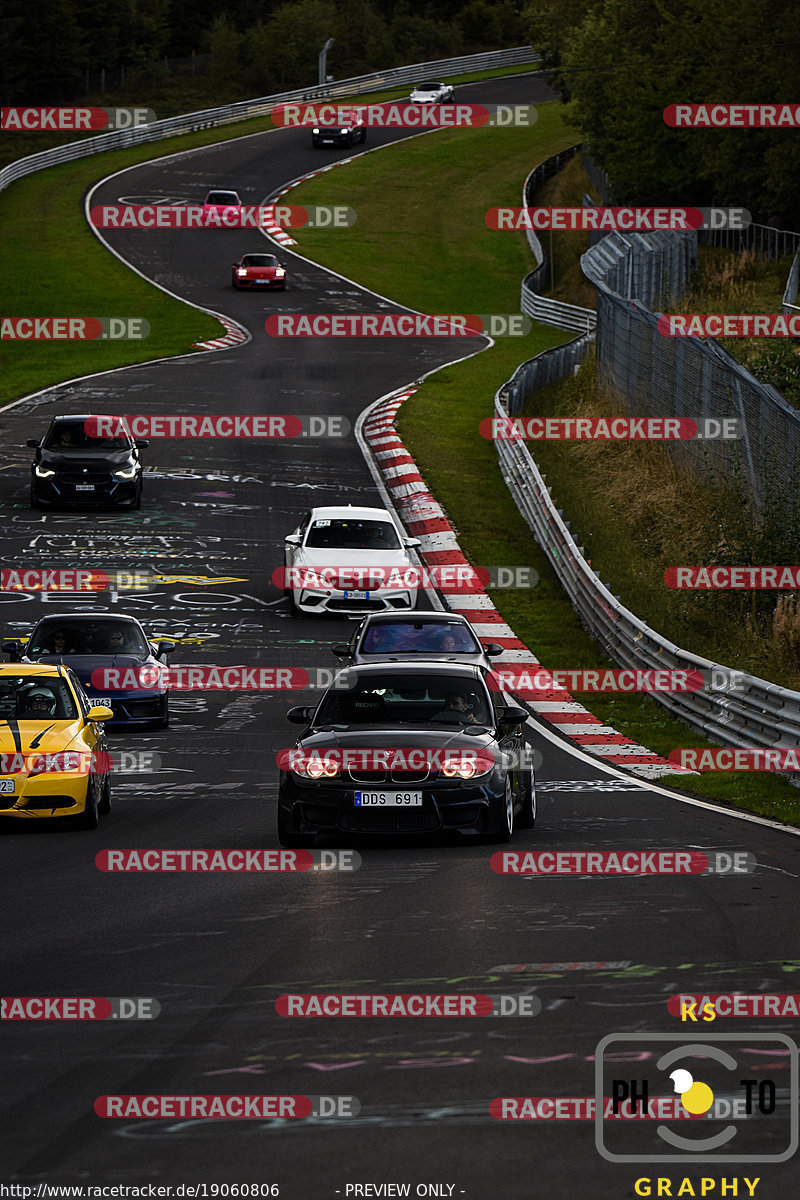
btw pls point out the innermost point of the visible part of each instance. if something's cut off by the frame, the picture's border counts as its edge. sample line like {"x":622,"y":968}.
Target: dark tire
{"x":89,"y":818}
{"x":287,"y":836}
{"x":34,"y":502}
{"x":164,"y":722}
{"x":504,"y":817}
{"x":137,"y":504}
{"x":104,"y":803}
{"x":526,"y":818}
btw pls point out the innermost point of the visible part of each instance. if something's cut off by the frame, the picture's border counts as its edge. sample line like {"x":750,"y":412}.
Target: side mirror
{"x":512,"y":714}
{"x":491,"y":649}
{"x":34,"y":443}
{"x":341,"y":650}
{"x":164,"y":647}
{"x":13,"y":649}
{"x":100,"y":712}
{"x":142,"y":443}
{"x":412,"y":543}
{"x":293,"y":539}
{"x":301,"y":714}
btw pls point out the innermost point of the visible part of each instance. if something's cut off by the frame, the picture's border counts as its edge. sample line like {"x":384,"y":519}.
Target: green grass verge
{"x":408,"y":246}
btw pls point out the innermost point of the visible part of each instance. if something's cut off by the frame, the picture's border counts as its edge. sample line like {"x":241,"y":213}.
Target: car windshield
{"x":222,"y":198}
{"x":36,"y":698}
{"x":428,"y":87}
{"x":408,"y":637}
{"x":72,"y":435}
{"x":421,"y":699}
{"x":108,"y":637}
{"x":259,"y":260}
{"x":352,"y":534}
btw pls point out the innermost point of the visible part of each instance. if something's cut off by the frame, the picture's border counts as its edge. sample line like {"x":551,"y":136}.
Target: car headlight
{"x":468,"y":765}
{"x":317,"y":768}
{"x":315,"y":132}
{"x":346,"y":129}
{"x":279,"y":274}
{"x":43,"y":472}
{"x":127,"y":472}
{"x":241,"y":270}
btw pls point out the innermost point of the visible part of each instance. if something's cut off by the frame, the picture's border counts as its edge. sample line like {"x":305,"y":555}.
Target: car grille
{"x":73,"y":477}
{"x":399,"y":821}
{"x":356,"y":605}
{"x":141,"y":708}
{"x":374,"y":777}
{"x":50,"y":802}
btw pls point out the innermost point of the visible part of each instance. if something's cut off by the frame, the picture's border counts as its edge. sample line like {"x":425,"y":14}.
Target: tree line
{"x":619,"y":63}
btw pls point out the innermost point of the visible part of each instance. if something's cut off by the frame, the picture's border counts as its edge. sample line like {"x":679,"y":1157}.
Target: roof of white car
{"x":345,"y":512}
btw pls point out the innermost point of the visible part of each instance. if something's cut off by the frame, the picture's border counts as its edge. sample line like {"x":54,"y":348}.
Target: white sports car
{"x":349,"y":560}
{"x":432,"y":93}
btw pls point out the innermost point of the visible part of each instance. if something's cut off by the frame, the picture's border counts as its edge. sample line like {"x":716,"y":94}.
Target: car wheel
{"x":363,"y":136}
{"x":138,"y":501}
{"x":293,"y":609}
{"x":527,"y":813}
{"x":104,"y":805}
{"x":89,"y":818}
{"x":504,"y":816}
{"x":34,"y":502}
{"x":287,"y":836}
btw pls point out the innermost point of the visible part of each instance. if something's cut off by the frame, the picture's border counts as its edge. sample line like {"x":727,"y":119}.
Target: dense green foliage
{"x":619,"y":63}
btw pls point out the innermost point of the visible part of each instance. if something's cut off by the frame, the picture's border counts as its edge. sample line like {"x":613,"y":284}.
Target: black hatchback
{"x":77,"y":465}
{"x":407,"y":748}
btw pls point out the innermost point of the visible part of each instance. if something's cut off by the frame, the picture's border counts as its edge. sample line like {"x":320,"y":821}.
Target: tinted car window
{"x":16,"y":699}
{"x":353,"y":535}
{"x":72,"y":435}
{"x":403,"y":637}
{"x":259,"y":260}
{"x":404,"y":699}
{"x":111,"y":637}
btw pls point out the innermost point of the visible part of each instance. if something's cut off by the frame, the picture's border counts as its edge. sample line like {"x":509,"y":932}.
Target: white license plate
{"x":356,"y":595}
{"x":388,"y":799}
{"x":100,"y":700}
{"x":6,"y":785}
{"x":84,"y":487}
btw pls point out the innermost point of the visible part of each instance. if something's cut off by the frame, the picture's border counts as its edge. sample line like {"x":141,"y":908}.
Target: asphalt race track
{"x":603,"y":954}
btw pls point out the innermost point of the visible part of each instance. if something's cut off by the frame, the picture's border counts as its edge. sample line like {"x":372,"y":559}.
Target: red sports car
{"x":258,"y":271}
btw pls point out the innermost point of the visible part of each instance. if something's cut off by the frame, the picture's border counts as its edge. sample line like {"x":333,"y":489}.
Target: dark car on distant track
{"x":347,"y":133}
{"x":105,"y":648}
{"x":76,"y":465}
{"x":456,"y":758}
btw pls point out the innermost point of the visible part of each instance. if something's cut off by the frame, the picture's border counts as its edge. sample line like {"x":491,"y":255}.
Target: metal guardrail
{"x":745,"y":713}
{"x":245,"y":109}
{"x":790,"y":291}
{"x":532,"y":303}
{"x":753,"y":712}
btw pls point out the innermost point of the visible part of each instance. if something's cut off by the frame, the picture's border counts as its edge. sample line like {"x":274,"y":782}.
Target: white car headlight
{"x":127,"y":472}
{"x":43,"y":472}
{"x":241,"y":271}
{"x":279,"y":274}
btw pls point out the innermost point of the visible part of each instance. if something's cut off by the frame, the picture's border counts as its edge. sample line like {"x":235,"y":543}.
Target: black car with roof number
{"x":77,"y":465}
{"x":407,"y":748}
{"x":113,"y":659}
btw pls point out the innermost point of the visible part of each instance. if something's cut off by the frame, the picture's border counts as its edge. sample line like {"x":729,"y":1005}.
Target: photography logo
{"x":701,"y":1102}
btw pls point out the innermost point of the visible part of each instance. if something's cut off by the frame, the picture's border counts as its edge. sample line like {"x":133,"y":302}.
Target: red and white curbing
{"x":425,"y":519}
{"x":234,"y":337}
{"x":275,"y":231}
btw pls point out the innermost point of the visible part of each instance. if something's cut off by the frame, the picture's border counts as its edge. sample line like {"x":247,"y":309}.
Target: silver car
{"x":416,"y":637}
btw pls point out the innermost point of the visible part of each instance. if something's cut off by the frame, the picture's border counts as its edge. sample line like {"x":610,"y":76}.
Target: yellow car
{"x":54,"y":759}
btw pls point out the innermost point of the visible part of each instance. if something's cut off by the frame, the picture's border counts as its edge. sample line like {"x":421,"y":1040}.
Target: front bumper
{"x":132,"y":708}
{"x":43,"y":797}
{"x":259,"y":285}
{"x":62,"y":490}
{"x":448,"y":806}
{"x":320,"y":600}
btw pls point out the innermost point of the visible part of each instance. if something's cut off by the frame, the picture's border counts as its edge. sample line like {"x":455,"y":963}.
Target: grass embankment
{"x":408,"y":245}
